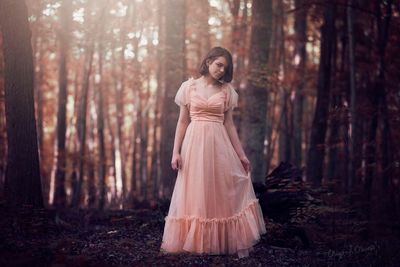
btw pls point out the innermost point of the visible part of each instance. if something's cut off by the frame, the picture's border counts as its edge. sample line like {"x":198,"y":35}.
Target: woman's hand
{"x":176,"y":162}
{"x":246,"y":163}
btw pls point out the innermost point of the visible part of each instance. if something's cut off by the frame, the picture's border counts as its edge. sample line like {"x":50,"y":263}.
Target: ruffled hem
{"x":235,"y":234}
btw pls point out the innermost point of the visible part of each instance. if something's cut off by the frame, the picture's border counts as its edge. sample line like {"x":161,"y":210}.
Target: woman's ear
{"x":208,"y":62}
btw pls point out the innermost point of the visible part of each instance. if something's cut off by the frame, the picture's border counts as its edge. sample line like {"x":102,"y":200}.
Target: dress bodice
{"x":210,"y":109}
{"x":206,"y":109}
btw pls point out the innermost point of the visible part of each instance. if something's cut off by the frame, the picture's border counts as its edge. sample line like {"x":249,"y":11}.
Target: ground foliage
{"x":337,"y":236}
{"x":305,"y":227}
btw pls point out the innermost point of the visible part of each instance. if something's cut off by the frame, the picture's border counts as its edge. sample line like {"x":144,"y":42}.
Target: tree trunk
{"x":100,"y":117}
{"x":300,"y":27}
{"x":110,"y":124}
{"x":120,"y":96}
{"x":82,"y":125}
{"x":91,"y":188}
{"x":286,"y":115}
{"x":155,"y":163}
{"x":174,"y":75}
{"x":254,"y":117}
{"x":38,"y":62}
{"x":316,"y":152}
{"x":61,"y":161}
{"x":333,"y":134}
{"x":72,"y":142}
{"x":239,"y":49}
{"x":284,"y":128}
{"x":353,"y":115}
{"x":3,"y":129}
{"x":383,"y":33}
{"x":22,"y":181}
{"x":144,"y":132}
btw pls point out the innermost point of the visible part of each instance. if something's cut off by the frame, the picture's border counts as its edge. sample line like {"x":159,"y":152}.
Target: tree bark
{"x":100,"y":117}
{"x":300,"y":27}
{"x":3,"y":128}
{"x":383,"y":32}
{"x":22,"y":181}
{"x":316,"y":152}
{"x":353,"y":115}
{"x":59,"y":193}
{"x":82,"y":125}
{"x":254,"y":117}
{"x":119,"y":103}
{"x":155,"y":165}
{"x":174,"y":75}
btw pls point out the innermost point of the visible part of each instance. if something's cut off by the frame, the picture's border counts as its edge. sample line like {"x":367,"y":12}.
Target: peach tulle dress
{"x":213,"y":207}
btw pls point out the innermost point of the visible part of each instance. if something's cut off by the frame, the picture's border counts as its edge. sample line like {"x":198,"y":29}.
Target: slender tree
{"x":300,"y":27}
{"x":174,"y":75}
{"x":100,"y":115}
{"x":353,"y":114}
{"x":255,"y":111}
{"x":284,"y":93}
{"x":155,"y":165}
{"x":316,"y":152}
{"x":377,"y":98}
{"x":60,"y":195}
{"x":119,"y":100}
{"x":3,"y":131}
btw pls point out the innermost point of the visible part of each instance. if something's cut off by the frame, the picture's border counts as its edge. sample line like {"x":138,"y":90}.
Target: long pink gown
{"x":213,"y":207}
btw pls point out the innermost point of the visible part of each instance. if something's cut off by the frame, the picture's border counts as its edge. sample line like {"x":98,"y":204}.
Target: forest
{"x":87,"y":125}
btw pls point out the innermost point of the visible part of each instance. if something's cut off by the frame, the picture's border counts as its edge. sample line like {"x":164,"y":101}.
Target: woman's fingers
{"x":179,"y":163}
{"x":176,"y":164}
{"x":246,"y":164}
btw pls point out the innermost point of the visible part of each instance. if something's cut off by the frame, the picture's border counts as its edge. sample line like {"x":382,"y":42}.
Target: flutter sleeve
{"x":232,"y":98}
{"x":182,"y":96}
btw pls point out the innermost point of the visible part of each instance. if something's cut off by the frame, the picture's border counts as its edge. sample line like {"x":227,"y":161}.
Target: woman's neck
{"x":208,"y":80}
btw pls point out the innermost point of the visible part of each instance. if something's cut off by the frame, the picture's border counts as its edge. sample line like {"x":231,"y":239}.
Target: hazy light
{"x":154,"y":37}
{"x":97,"y":78}
{"x":78,"y":34}
{"x":50,"y":9}
{"x":120,"y":11}
{"x":128,"y":52}
{"x":143,"y":41}
{"x":78,"y":15}
{"x":297,"y":59}
{"x":214,"y":3}
{"x":32,"y":18}
{"x":292,"y":95}
{"x":213,"y":21}
{"x":118,"y":169}
{"x":108,"y":55}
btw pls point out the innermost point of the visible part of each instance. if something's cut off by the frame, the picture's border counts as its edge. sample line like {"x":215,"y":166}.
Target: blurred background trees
{"x":317,"y":80}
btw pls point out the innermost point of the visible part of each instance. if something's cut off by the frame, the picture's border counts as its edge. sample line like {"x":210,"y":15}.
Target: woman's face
{"x":217,"y":67}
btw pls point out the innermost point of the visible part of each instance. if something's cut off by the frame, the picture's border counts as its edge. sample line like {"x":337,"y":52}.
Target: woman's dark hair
{"x":214,"y":53}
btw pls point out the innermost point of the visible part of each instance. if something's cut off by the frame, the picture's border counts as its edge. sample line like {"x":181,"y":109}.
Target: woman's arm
{"x":233,"y":136}
{"x":181,"y":126}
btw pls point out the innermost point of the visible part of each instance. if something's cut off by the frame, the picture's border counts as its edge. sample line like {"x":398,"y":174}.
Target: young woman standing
{"x":213,"y":208}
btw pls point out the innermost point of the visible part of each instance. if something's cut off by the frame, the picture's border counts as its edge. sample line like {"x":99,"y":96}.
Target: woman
{"x":213,"y":207}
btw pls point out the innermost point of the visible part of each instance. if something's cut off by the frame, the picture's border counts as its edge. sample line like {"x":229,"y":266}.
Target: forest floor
{"x":31,"y":237}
